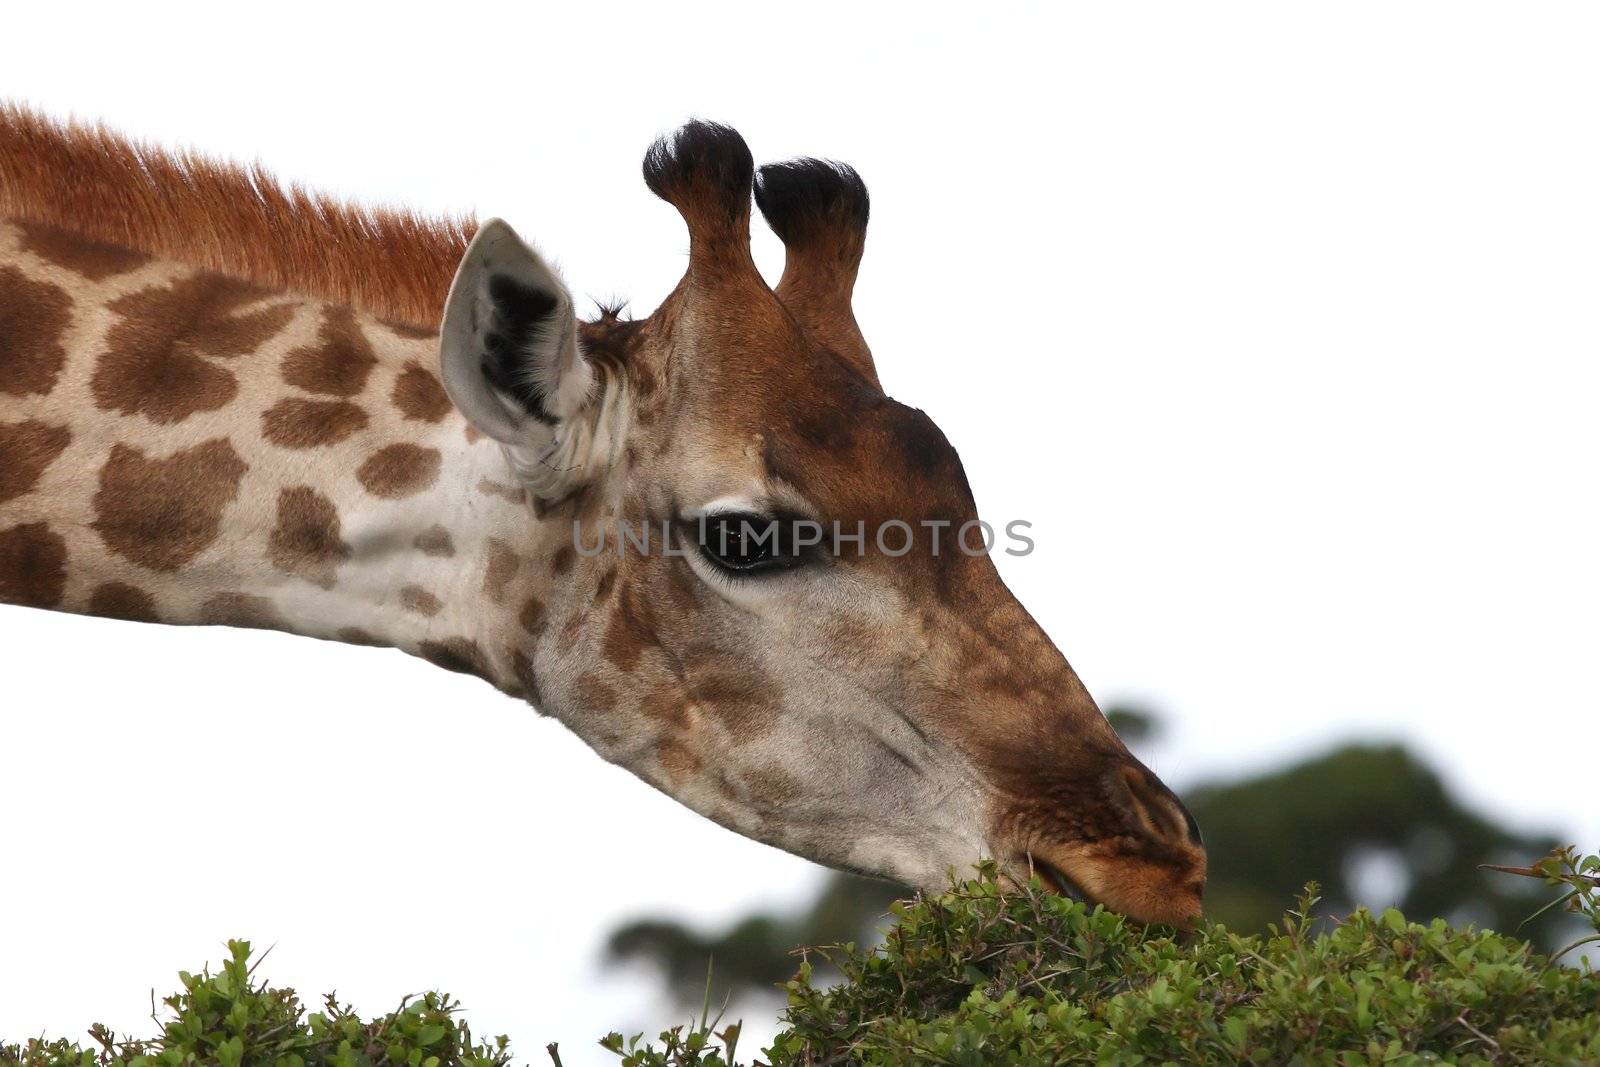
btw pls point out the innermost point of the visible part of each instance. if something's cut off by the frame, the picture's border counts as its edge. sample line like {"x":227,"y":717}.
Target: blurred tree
{"x":1134,"y":725}
{"x":758,"y":952}
{"x":1371,"y":823}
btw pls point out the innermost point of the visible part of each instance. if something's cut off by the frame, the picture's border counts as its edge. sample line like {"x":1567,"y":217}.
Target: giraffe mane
{"x":235,"y":219}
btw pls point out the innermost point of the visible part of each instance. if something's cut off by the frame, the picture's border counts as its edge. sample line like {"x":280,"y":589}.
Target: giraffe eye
{"x":745,"y":543}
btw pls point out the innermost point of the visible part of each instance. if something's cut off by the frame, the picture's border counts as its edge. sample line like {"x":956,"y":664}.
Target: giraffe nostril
{"x":1194,"y":827}
{"x":1158,"y":808}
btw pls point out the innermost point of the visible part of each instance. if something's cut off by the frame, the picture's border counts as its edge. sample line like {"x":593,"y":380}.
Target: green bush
{"x":981,"y":975}
{"x":229,"y":1019}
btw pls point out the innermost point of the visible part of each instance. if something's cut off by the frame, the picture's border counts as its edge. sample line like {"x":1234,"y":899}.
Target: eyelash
{"x":722,"y":538}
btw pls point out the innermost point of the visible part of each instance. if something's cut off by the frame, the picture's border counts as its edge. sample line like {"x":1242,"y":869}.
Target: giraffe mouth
{"x":1057,"y":880}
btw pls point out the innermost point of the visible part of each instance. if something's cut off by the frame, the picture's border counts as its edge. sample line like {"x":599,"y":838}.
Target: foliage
{"x":985,"y":976}
{"x":1266,"y":835}
{"x":229,"y":1020}
{"x":989,"y":975}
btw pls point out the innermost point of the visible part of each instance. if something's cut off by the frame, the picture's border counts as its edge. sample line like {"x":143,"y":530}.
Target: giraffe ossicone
{"x":221,"y":403}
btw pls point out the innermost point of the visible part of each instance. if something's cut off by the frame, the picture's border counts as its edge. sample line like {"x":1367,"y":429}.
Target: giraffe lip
{"x":1057,"y":880}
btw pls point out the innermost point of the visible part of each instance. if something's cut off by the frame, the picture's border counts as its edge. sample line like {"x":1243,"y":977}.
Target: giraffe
{"x":224,"y":401}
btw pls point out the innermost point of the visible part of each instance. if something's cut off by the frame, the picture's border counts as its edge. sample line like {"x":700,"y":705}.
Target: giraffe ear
{"x":508,"y":347}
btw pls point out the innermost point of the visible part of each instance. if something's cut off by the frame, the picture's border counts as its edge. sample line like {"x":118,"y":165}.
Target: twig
{"x":1479,"y":1034}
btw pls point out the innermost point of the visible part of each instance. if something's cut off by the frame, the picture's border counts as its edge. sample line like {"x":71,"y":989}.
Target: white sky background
{"x":1280,"y":325}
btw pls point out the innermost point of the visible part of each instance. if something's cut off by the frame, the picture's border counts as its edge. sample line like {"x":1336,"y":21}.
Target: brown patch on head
{"x":419,"y":601}
{"x":33,"y":565}
{"x":399,"y":471}
{"x":300,"y":423}
{"x":419,"y":395}
{"x":667,"y":705}
{"x":532,"y":616}
{"x":162,"y":513}
{"x":339,"y":364}
{"x":435,"y":541}
{"x":33,"y":317}
{"x":592,"y":694}
{"x":157,"y":358}
{"x":632,"y":629}
{"x":513,"y":493}
{"x":456,"y":654}
{"x":561,"y":562}
{"x":306,"y":541}
{"x":241,"y":609}
{"x":772,"y":788}
{"x":92,"y":259}
{"x":238,"y":220}
{"x":678,"y":761}
{"x":744,"y":702}
{"x":119,"y":600}
{"x":26,"y":449}
{"x":683,"y":589}
{"x":503,"y":566}
{"x":603,"y":587}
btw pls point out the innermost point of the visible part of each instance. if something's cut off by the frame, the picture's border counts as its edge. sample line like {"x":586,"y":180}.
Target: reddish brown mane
{"x":225,"y":217}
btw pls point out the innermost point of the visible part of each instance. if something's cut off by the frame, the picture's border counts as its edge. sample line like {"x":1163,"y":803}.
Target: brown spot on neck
{"x":119,"y":600}
{"x":503,"y":566}
{"x":355,"y":635}
{"x":306,"y":541}
{"x":522,"y":666}
{"x":435,"y":541}
{"x":26,"y":449}
{"x":339,"y":364}
{"x":456,"y":654}
{"x":419,"y":395}
{"x":241,"y":609}
{"x":157,"y":361}
{"x":399,"y":471}
{"x":162,"y":513}
{"x":33,"y":317}
{"x":81,"y":255}
{"x":33,"y":566}
{"x":419,"y":601}
{"x":513,"y":493}
{"x":299,"y":423}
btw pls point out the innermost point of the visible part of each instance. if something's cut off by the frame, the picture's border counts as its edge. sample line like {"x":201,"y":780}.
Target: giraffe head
{"x":878,"y":700}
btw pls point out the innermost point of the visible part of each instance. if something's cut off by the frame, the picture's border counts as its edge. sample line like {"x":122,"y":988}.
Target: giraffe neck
{"x":180,"y":447}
